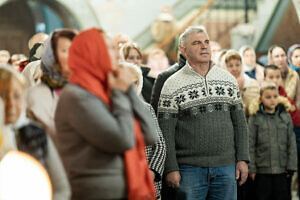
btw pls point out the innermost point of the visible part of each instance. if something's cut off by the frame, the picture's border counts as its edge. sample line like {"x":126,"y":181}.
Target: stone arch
{"x":17,"y":20}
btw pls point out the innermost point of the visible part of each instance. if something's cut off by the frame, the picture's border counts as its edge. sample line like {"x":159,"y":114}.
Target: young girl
{"x":272,"y":144}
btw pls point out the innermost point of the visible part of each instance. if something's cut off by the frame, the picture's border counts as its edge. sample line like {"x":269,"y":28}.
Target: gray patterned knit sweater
{"x":202,"y":119}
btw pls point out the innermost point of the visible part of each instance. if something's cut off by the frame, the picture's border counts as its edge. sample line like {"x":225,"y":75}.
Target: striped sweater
{"x":202,"y":119}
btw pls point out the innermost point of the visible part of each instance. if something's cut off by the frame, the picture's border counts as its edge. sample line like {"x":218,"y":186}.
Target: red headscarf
{"x":90,"y":64}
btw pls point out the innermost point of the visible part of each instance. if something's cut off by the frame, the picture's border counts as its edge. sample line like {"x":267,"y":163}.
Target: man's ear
{"x":182,"y":50}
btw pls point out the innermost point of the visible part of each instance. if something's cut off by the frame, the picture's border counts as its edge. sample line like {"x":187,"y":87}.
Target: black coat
{"x":161,"y":78}
{"x":148,"y":83}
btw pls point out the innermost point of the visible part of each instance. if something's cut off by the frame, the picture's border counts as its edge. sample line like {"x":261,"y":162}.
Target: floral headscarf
{"x":290,"y":53}
{"x":51,"y":73}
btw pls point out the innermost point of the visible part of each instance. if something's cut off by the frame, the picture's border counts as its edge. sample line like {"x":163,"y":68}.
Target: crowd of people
{"x":106,"y":123}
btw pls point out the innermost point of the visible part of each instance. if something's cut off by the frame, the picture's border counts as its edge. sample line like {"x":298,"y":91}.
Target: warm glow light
{"x":23,"y":178}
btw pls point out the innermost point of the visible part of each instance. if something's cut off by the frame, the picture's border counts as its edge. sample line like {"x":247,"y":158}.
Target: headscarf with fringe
{"x":51,"y":72}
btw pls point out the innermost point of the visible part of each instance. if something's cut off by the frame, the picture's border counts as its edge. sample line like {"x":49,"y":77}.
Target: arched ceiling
{"x":73,"y":13}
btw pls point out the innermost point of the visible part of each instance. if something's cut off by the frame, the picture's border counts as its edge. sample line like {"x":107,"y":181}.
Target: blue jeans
{"x":216,"y":183}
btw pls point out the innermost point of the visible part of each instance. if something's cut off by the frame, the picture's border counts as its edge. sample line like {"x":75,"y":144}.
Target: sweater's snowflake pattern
{"x":167,"y":103}
{"x":203,"y":92}
{"x":180,"y":99}
{"x":220,"y":90}
{"x":210,"y":91}
{"x":218,"y":107}
{"x":202,"y":109}
{"x":193,"y":94}
{"x":210,"y":108}
{"x":230,"y":92}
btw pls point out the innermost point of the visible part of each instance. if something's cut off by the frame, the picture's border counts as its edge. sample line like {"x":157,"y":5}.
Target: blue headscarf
{"x":290,"y":53}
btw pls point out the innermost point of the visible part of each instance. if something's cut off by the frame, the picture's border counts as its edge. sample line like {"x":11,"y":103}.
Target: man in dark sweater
{"x":201,"y":117}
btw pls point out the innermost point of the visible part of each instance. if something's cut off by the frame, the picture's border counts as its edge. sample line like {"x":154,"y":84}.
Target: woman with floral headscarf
{"x":100,"y":121}
{"x":42,"y":98}
{"x":294,"y":57}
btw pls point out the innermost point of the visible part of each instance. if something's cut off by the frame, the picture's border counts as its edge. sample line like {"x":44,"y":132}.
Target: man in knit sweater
{"x":201,"y":117}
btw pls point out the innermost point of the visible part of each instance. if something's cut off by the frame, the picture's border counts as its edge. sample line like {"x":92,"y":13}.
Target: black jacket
{"x":148,"y":83}
{"x":161,"y":78}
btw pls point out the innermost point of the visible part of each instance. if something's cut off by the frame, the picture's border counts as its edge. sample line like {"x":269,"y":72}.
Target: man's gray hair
{"x":190,"y":30}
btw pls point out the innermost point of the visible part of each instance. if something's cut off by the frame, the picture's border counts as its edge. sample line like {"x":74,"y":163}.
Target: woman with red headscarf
{"x":102,"y":124}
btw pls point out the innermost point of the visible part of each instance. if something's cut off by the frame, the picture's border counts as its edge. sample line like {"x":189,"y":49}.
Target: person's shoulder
{"x":293,"y":73}
{"x":39,"y":91}
{"x":173,"y":83}
{"x":251,"y":81}
{"x":74,"y":91}
{"x":176,"y":76}
{"x":171,"y":70}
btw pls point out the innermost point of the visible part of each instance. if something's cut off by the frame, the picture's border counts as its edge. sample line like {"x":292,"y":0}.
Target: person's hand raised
{"x":120,"y":78}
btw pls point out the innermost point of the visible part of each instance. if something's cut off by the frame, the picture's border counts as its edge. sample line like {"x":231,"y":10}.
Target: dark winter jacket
{"x":272,"y":142}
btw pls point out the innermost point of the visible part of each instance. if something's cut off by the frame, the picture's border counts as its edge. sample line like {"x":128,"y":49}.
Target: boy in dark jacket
{"x":272,"y":144}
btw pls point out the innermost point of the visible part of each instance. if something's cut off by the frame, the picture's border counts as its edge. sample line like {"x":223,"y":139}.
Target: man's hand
{"x":241,"y":171}
{"x":173,"y":179}
{"x":252,"y":176}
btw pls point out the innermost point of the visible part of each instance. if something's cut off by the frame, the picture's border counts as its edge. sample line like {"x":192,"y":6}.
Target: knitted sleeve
{"x":167,"y":118}
{"x":252,"y":144}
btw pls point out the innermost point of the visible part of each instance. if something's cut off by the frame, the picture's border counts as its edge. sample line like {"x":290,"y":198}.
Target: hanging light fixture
{"x":23,"y":177}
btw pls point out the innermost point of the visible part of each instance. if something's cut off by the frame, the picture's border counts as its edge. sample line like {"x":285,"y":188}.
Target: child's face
{"x":269,"y":98}
{"x":13,"y":98}
{"x":274,"y":76}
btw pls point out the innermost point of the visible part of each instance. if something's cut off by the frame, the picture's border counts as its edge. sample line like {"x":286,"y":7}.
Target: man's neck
{"x":201,"y":68}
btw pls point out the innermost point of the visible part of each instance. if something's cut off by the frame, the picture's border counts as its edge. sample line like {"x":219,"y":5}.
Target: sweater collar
{"x":211,"y":68}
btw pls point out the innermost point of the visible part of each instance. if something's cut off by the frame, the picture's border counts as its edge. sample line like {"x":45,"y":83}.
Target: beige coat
{"x":41,"y":105}
{"x":291,"y":85}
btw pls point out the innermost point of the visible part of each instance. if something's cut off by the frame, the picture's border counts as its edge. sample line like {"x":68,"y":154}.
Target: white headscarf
{"x":242,"y":51}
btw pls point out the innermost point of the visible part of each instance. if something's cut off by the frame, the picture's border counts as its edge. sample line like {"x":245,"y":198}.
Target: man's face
{"x":197,"y":48}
